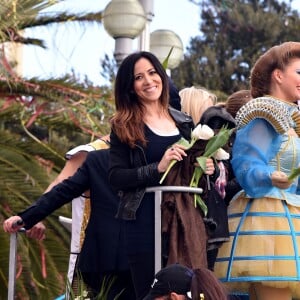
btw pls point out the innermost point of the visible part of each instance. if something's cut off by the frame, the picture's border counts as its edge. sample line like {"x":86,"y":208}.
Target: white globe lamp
{"x":124,"y":20}
{"x":162,"y":41}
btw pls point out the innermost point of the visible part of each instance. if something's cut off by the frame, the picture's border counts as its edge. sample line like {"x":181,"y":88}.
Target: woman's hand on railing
{"x":13,"y":224}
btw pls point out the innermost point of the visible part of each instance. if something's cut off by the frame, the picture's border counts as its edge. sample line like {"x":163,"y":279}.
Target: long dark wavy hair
{"x":277,"y":57}
{"x":127,"y":123}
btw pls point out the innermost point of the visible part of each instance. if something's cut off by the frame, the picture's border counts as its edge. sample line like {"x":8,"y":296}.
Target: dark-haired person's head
{"x":174,"y":279}
{"x":177,"y":282}
{"x":125,"y":96}
{"x":216,"y":117}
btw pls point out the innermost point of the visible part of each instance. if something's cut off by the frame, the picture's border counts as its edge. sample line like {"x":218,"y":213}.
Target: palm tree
{"x":39,"y":121}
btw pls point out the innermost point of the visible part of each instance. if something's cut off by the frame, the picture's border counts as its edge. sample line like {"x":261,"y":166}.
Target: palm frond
{"x":39,"y":121}
{"x":23,"y":178}
{"x":17,"y":16}
{"x":45,"y":20}
{"x":60,"y":101}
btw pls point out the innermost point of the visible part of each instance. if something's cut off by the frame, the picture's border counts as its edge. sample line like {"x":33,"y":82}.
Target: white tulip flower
{"x":221,"y":154}
{"x":202,"y":132}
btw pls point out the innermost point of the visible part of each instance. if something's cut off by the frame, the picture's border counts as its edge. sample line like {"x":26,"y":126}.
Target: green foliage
{"x":23,"y":178}
{"x":108,"y":69}
{"x":39,"y":121}
{"x":233,"y":35}
{"x":294,"y":173}
{"x":16,"y":16}
{"x":82,"y":292}
{"x":166,"y":60}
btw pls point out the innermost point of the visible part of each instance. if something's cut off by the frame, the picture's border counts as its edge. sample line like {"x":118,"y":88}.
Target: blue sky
{"x":82,"y":48}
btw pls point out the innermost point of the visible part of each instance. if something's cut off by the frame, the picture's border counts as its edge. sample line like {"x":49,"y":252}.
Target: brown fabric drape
{"x":181,"y":221}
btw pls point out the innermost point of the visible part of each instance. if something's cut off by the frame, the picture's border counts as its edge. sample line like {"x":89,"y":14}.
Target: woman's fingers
{"x":280,"y":180}
{"x":176,"y":152}
{"x":12,"y":224}
{"x":37,"y":231}
{"x":210,"y":167}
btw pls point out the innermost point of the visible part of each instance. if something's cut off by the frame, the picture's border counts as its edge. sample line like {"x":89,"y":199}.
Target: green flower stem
{"x":294,"y":174}
{"x":172,"y":163}
{"x":200,"y":203}
{"x":198,"y":172}
{"x":187,"y":146}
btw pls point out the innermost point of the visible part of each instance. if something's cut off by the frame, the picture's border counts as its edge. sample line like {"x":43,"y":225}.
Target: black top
{"x":140,"y":232}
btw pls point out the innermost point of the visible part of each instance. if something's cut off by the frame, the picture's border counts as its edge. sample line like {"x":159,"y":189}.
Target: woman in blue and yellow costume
{"x":263,"y":255}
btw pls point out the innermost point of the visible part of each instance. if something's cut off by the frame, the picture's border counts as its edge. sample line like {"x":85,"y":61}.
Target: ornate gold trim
{"x":281,"y":115}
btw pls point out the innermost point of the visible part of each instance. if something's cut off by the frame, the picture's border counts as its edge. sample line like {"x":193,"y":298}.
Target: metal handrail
{"x":12,"y":266}
{"x":158,"y":191}
{"x":13,"y":245}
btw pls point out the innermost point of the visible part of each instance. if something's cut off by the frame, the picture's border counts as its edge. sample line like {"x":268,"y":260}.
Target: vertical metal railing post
{"x":158,"y":191}
{"x":12,"y":266}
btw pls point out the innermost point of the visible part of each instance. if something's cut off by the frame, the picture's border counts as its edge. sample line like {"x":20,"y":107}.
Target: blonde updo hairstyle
{"x":277,"y":57}
{"x":194,"y":101}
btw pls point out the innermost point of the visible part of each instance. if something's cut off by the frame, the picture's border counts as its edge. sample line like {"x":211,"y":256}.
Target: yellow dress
{"x":264,"y":224}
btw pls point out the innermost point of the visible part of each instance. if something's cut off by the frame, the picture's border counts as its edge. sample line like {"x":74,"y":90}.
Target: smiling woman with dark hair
{"x":145,"y":131}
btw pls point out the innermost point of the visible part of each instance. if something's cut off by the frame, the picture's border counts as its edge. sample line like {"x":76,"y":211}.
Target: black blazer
{"x":103,"y":247}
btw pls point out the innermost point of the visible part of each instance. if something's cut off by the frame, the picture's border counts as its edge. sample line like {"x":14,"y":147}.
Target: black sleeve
{"x":232,"y":188}
{"x":59,"y":195}
{"x":123,"y":175}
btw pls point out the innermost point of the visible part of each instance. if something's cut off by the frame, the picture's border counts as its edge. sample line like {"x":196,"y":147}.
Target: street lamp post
{"x":124,"y":20}
{"x":144,"y":38}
